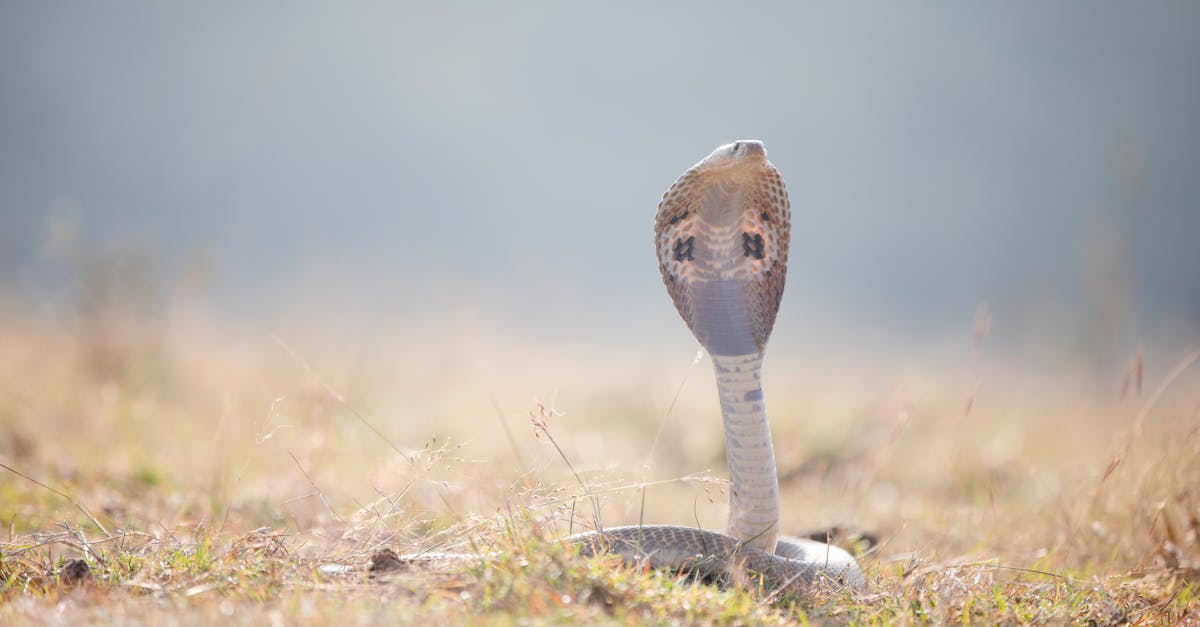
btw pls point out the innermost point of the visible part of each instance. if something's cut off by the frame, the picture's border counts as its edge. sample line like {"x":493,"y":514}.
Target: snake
{"x":721,"y":235}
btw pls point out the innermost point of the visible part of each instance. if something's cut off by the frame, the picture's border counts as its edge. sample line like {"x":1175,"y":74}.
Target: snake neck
{"x":754,"y":493}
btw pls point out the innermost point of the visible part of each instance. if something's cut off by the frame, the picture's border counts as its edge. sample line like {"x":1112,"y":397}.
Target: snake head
{"x":747,"y":155}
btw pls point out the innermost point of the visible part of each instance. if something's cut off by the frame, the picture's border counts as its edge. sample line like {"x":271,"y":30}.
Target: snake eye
{"x":736,"y":146}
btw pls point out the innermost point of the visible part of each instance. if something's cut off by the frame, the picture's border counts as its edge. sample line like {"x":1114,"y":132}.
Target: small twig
{"x":512,"y":440}
{"x":742,"y":543}
{"x":642,"y":509}
{"x":1161,"y":606}
{"x":69,"y":498}
{"x":1139,"y":421}
{"x":1162,"y":388}
{"x":1032,"y":571}
{"x":85,"y":546}
{"x":550,"y":502}
{"x":662,"y":424}
{"x":299,"y":498}
{"x":539,"y":423}
{"x":314,"y":487}
{"x":338,"y":396}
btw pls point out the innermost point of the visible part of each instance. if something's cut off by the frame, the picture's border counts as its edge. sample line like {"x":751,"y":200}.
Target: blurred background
{"x":405,"y":167}
{"x":249,"y":252}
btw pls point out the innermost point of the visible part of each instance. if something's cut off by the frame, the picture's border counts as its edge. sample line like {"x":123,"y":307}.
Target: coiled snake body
{"x":721,"y":234}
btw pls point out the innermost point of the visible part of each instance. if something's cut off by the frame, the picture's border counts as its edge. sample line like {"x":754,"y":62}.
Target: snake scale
{"x":721,"y":235}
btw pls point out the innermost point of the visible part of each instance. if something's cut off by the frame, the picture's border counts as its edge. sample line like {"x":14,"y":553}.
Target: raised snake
{"x":721,"y":235}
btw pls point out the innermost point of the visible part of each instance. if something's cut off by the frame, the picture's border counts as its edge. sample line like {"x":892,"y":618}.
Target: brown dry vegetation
{"x":208,"y":474}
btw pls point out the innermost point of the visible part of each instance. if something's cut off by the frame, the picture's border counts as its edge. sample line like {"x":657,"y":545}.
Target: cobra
{"x":721,"y":235}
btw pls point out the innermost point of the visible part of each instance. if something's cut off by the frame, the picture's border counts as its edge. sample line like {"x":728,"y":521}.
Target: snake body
{"x":721,"y":234}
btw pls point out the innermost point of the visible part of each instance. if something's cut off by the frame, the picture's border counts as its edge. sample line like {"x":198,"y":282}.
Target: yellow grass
{"x":207,"y":473}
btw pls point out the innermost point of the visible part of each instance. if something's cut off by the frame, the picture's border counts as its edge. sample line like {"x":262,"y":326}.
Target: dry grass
{"x":205,"y":475}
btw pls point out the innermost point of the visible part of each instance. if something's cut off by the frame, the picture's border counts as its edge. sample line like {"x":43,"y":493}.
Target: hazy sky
{"x":1036,"y":156}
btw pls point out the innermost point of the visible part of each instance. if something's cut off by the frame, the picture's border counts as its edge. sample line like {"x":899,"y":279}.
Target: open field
{"x":290,"y":291}
{"x":205,"y":473}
